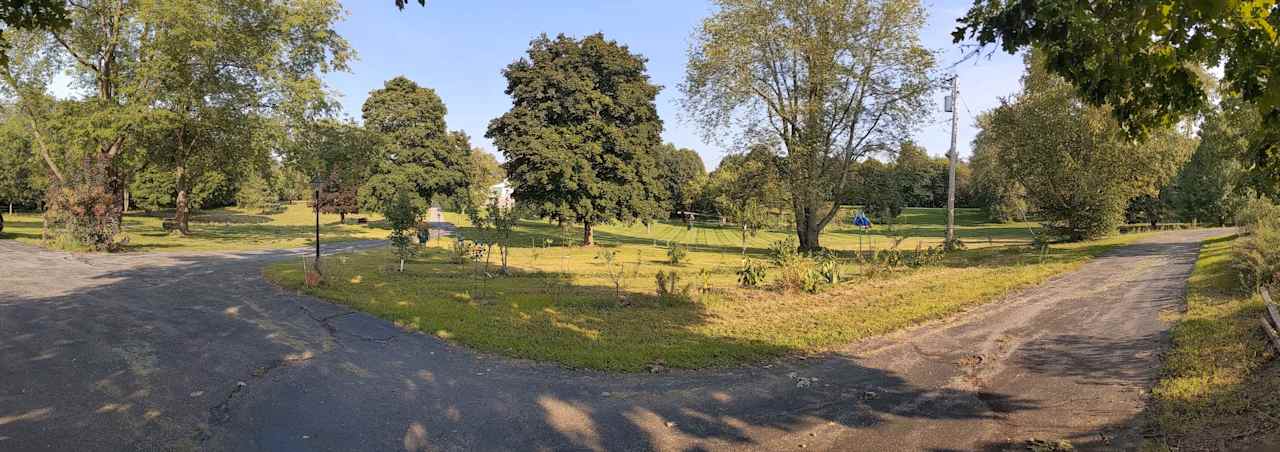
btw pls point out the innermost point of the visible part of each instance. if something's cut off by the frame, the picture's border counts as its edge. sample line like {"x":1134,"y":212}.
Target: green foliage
{"x":613,"y":269}
{"x":669,"y":287}
{"x":183,"y":86}
{"x":877,"y":188}
{"x":676,"y":253}
{"x":255,"y":194}
{"x":828,"y":267}
{"x":744,"y":189}
{"x":752,"y":273}
{"x":1257,"y":256}
{"x":789,"y":71}
{"x":21,"y":180}
{"x":1001,"y":197}
{"x":1257,"y":212}
{"x":1213,"y":184}
{"x":678,"y":170}
{"x":783,"y":252}
{"x":581,"y":136}
{"x":483,"y":173}
{"x":422,"y":157}
{"x":342,"y":155}
{"x":1142,"y":57}
{"x":1080,"y":171}
{"x":402,"y":215}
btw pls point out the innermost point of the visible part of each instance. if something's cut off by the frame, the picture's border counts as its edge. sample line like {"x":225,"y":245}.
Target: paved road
{"x":196,"y":351}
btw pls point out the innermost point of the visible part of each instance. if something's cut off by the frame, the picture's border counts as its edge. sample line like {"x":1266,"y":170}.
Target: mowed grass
{"x":560,"y":305}
{"x":1219,"y":388}
{"x":227,"y":229}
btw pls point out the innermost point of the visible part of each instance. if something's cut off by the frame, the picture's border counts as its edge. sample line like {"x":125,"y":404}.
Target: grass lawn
{"x":219,"y":230}
{"x":1218,"y":390}
{"x":560,"y":305}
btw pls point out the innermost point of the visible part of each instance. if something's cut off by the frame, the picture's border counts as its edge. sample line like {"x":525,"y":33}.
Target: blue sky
{"x":459,"y":49}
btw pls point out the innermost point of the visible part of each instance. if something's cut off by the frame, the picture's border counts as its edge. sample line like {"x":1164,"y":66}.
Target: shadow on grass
{"x":275,"y":363}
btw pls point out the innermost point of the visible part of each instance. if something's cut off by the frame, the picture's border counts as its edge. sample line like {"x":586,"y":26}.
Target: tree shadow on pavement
{"x":172,"y":351}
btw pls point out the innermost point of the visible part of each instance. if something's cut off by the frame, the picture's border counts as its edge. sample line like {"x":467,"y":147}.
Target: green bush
{"x":676,"y":253}
{"x":669,"y":285}
{"x":1257,"y":212}
{"x":828,"y":268}
{"x":1257,"y":254}
{"x":751,"y":274}
{"x":784,"y":252}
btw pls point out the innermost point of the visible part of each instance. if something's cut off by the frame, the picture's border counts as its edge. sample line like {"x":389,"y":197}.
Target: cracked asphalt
{"x":198,"y":352}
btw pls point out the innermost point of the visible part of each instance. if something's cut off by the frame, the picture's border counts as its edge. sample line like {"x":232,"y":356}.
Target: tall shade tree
{"x":186,"y":80}
{"x":422,"y":157}
{"x":221,"y":68}
{"x":832,"y":80}
{"x":581,"y":135}
{"x":483,"y":173}
{"x":679,"y":168}
{"x":1212,"y":186}
{"x":1142,"y":57}
{"x":1079,"y":169}
{"x":342,"y":155}
{"x":21,"y":180}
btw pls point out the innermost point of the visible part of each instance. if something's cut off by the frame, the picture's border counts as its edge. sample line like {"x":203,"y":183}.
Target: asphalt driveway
{"x":197,"y":351}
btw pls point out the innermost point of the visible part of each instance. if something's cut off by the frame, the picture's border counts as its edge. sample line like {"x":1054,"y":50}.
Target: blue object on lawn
{"x":862,"y":221}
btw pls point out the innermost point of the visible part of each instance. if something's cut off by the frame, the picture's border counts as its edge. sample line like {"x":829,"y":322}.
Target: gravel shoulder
{"x":197,"y":352}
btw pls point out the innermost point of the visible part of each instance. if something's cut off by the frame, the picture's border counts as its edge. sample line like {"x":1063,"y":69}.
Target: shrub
{"x":401,"y":214}
{"x":751,"y":274}
{"x":669,"y":284}
{"x":613,"y":269}
{"x":1257,"y":254}
{"x":464,"y":251}
{"x":796,"y":274}
{"x":828,"y":268}
{"x":1257,"y":212}
{"x":783,"y":252}
{"x":676,"y":253}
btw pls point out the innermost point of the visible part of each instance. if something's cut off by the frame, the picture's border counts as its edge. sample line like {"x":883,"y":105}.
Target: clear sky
{"x":459,"y":49}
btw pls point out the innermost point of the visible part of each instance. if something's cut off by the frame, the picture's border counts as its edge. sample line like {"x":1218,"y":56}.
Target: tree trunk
{"x":126,"y":200}
{"x":342,"y":217}
{"x":588,"y":235}
{"x":182,"y":213}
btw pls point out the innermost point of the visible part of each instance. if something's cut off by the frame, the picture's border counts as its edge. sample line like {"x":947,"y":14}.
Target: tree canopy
{"x":833,"y":81}
{"x":679,"y":168}
{"x":422,"y":156}
{"x":1145,"y":59}
{"x":580,"y":139}
{"x":1080,"y":171}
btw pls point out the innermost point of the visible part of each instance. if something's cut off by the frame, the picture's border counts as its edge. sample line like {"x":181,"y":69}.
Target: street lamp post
{"x":316,"y":184}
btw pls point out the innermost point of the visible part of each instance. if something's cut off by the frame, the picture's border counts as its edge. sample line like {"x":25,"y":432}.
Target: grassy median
{"x":560,"y":303}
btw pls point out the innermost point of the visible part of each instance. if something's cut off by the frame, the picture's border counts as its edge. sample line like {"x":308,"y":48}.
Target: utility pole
{"x":951,"y":167}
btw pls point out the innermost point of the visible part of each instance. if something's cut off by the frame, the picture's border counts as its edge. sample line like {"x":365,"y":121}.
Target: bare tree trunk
{"x":588,"y":234}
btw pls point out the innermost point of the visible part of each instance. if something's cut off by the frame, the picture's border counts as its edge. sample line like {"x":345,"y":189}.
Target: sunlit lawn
{"x":1217,"y":384}
{"x":219,"y":229}
{"x":560,"y":305}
